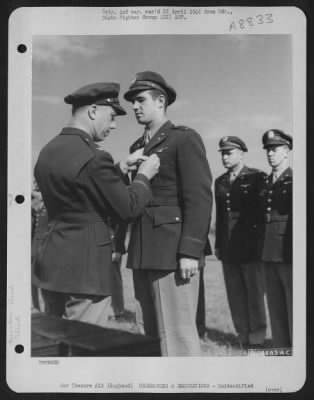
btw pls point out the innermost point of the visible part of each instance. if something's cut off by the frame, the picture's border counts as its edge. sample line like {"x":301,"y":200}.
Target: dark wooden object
{"x":53,"y":336}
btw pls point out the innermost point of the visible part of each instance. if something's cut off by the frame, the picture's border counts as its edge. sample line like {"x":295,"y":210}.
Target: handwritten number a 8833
{"x":251,"y":21}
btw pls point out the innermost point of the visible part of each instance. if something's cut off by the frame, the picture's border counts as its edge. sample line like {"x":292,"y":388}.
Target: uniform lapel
{"x":286,"y":173}
{"x":225,"y":180}
{"x":138,"y":144}
{"x":158,"y":138}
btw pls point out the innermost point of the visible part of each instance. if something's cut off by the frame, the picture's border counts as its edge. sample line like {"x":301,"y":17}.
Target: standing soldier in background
{"x":236,"y":194}
{"x":276,"y":252}
{"x":81,"y":187}
{"x":167,"y":242}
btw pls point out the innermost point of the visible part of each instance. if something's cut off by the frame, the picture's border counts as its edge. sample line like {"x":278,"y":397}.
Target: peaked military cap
{"x":275,"y":137}
{"x":232,"y":142}
{"x":149,"y":80}
{"x":102,"y":93}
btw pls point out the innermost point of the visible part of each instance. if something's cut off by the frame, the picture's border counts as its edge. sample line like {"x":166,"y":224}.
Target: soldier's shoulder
{"x":256,"y":172}
{"x":287,"y":176}
{"x":102,"y":154}
{"x":71,"y":144}
{"x":183,"y":129}
{"x":288,"y":172}
{"x":185,"y":133}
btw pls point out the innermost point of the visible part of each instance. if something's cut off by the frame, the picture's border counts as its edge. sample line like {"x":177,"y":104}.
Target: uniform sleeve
{"x":124,"y":177}
{"x":103,"y":181}
{"x":195,"y":185}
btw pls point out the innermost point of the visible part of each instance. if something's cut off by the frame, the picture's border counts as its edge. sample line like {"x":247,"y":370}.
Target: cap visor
{"x":118,"y":109}
{"x":275,"y":144}
{"x":131,"y":92}
{"x":229,"y":147}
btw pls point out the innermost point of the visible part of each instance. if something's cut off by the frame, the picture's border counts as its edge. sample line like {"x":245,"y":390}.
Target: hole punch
{"x":19,"y":199}
{"x":19,"y":348}
{"x":21,"y":48}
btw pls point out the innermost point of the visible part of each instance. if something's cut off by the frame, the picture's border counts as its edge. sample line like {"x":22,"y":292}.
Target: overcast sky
{"x":226,"y":85}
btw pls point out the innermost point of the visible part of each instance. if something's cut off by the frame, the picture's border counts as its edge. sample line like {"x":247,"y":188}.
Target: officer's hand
{"x":150,"y":167}
{"x":188,"y":267}
{"x":135,"y":159}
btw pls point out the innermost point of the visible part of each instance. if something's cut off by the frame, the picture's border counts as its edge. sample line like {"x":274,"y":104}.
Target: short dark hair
{"x":74,"y":109}
{"x":155,"y":93}
{"x":77,"y":107}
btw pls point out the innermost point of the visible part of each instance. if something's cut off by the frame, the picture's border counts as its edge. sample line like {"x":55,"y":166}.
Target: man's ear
{"x":92,"y":111}
{"x":162,"y":100}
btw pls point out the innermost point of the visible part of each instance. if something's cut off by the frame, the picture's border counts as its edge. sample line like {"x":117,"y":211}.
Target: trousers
{"x":279,"y":298}
{"x":245,"y":287}
{"x":166,"y":307}
{"x":85,"y":308}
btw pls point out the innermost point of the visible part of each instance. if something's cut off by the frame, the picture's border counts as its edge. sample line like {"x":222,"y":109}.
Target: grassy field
{"x":220,"y":337}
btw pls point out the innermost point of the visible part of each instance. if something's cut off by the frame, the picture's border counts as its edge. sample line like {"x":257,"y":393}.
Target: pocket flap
{"x":167,"y":215}
{"x":102,"y":234}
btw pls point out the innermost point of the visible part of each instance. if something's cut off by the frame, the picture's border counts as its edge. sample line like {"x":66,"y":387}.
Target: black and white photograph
{"x":162,"y":162}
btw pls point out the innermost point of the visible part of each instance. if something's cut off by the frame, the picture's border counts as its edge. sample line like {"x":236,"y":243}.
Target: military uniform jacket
{"x":275,"y":201}
{"x":176,"y":222}
{"x":237,"y":218}
{"x":81,"y":186}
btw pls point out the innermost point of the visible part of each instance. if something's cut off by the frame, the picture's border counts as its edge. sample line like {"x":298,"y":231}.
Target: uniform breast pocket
{"x":165,"y":155}
{"x":101,"y":234}
{"x":246,"y":190}
{"x":161,"y":150}
{"x":286,"y":189}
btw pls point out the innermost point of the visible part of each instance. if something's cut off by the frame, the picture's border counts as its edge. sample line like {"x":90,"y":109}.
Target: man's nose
{"x":113,"y":125}
{"x":135,"y":105}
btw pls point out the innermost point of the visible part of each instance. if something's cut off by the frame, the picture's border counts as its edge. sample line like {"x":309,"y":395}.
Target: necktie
{"x":232,"y":177}
{"x":275,"y":177}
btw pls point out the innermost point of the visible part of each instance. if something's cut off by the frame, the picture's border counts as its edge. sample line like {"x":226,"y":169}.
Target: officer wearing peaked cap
{"x":275,"y":201}
{"x":81,"y":187}
{"x":232,"y":142}
{"x":168,"y":241}
{"x":236,"y":243}
{"x":105,"y":94}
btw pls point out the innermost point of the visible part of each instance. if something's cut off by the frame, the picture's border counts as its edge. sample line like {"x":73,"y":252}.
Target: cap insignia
{"x":271,"y":134}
